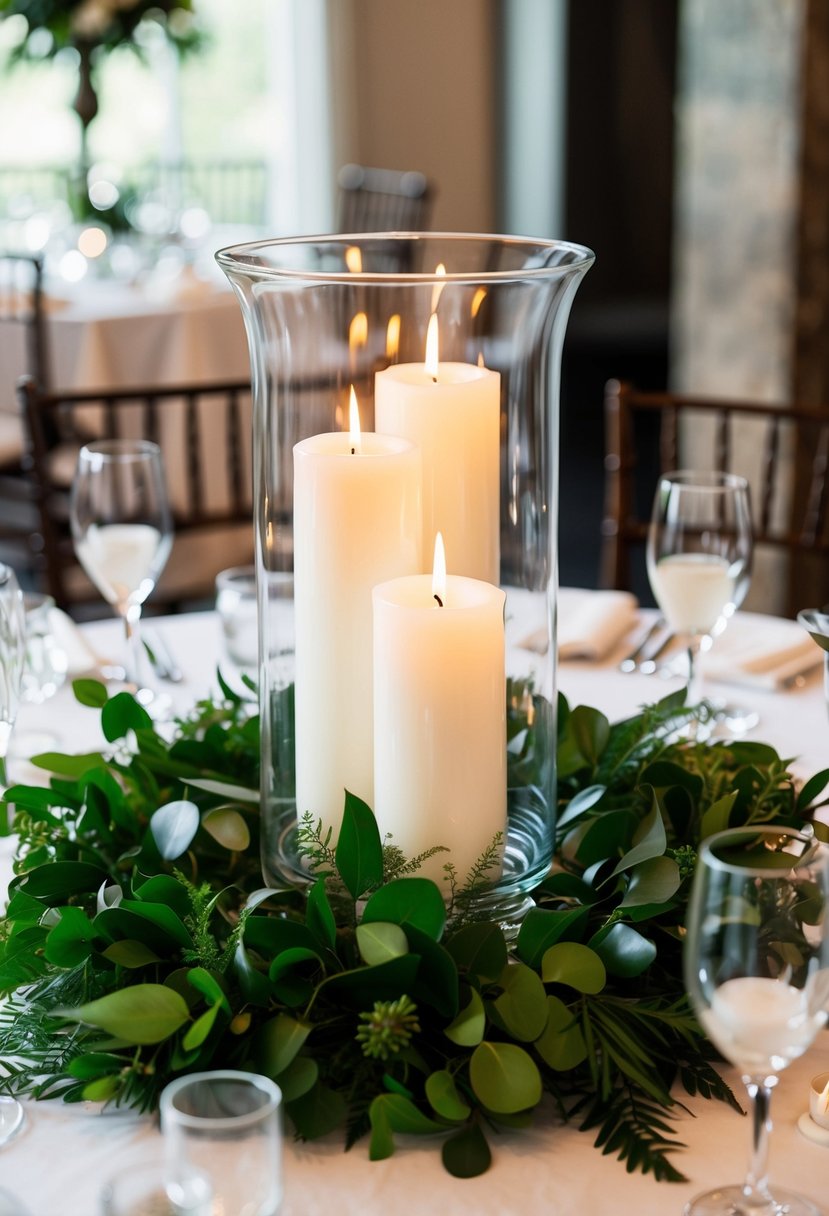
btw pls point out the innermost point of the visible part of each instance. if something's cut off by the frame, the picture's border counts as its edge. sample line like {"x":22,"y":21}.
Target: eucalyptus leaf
{"x":445,"y":1097}
{"x":649,"y":840}
{"x":575,"y":965}
{"x":408,"y":901}
{"x":521,"y":1008}
{"x":466,"y":1154}
{"x":226,"y":789}
{"x":479,"y":950}
{"x":468,"y":1028}
{"x":504,"y":1077}
{"x":227,"y":827}
{"x":173,"y":827}
{"x":380,"y":942}
{"x":623,"y":950}
{"x":543,"y":927}
{"x":143,"y":1013}
{"x":90,"y":692}
{"x":359,"y":850}
{"x":652,"y":882}
{"x":278,"y":1042}
{"x":130,"y":954}
{"x":298,"y":1078}
{"x":561,"y":1045}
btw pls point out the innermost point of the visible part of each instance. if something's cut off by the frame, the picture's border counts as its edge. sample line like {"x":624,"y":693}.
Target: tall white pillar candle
{"x":357,"y":521}
{"x":440,"y":719}
{"x":452,"y":412}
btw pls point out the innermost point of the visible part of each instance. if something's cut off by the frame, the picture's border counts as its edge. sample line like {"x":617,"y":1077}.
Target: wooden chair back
{"x":647,"y":434}
{"x":204,"y":434}
{"x":21,"y":306}
{"x":382,"y":200}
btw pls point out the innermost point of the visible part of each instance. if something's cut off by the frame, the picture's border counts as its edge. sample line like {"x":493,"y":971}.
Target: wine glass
{"x":122,"y":529}
{"x":757,"y":972}
{"x":12,"y":656}
{"x":699,"y":561}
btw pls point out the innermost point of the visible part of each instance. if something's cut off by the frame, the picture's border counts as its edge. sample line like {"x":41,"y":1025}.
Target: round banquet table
{"x":56,"y":1165}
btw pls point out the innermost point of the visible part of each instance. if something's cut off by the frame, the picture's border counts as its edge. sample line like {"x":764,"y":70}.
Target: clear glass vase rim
{"x":695,"y":479}
{"x":120,"y":449}
{"x":813,"y":850}
{"x":270,"y":1091}
{"x":230,"y":259}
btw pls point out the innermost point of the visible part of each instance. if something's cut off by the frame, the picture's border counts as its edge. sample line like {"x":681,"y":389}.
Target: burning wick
{"x":439,"y":571}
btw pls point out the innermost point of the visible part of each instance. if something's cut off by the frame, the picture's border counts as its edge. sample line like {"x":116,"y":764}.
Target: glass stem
{"x":755,"y":1187}
{"x":694,"y":674}
{"x":132,"y":663}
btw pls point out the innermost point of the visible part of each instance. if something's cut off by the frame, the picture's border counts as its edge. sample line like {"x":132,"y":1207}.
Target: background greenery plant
{"x":137,"y":943}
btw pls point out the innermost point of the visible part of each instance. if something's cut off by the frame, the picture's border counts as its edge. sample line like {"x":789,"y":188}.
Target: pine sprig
{"x":634,"y":1128}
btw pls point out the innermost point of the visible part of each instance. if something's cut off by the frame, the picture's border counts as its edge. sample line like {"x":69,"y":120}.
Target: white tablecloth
{"x":57,"y":1163}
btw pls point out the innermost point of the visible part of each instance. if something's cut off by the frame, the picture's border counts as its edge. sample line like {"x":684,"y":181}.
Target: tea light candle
{"x":452,"y":412}
{"x":819,"y":1099}
{"x":440,"y":717}
{"x":357,"y":522}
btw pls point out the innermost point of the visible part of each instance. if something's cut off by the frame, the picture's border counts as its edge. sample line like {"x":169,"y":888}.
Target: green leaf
{"x":466,"y":1154}
{"x":543,"y":927}
{"x":583,"y":801}
{"x":467,"y":1029}
{"x":173,"y":827}
{"x":160,"y":915}
{"x":623,"y":950}
{"x":318,"y":915}
{"x":94,"y":1064}
{"x":359,"y":852}
{"x":130,"y":954}
{"x":575,"y":965}
{"x":522,"y":1007}
{"x":504,"y":1077}
{"x":390,"y":1113}
{"x":68,"y":766}
{"x":437,"y":976}
{"x":294,"y":974}
{"x":90,"y":692}
{"x":590,"y":730}
{"x":717,"y":817}
{"x":812,"y":789}
{"x":298,"y":1078}
{"x":208,"y":986}
{"x":226,"y":789}
{"x":649,"y":840}
{"x":445,"y":1097}
{"x":380,"y":942}
{"x":70,"y":941}
{"x":277,"y":1043}
{"x":101,"y":1090}
{"x":561,"y":1045}
{"x":412,"y":901}
{"x":227,"y":827}
{"x":56,"y":882}
{"x":121,"y":714}
{"x":140,"y":1014}
{"x":652,"y":882}
{"x":479,"y":950}
{"x":317,"y":1112}
{"x":200,"y":1029}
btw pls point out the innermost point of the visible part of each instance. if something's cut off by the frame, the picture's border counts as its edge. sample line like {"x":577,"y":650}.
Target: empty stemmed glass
{"x":757,"y":972}
{"x":699,"y":559}
{"x":12,"y":657}
{"x":122,"y":529}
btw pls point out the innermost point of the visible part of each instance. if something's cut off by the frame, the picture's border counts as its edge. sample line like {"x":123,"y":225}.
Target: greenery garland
{"x":138,"y":945}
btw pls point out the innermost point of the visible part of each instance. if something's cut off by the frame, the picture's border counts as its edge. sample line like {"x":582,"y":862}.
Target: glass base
{"x":12,"y":1119}
{"x":731,"y":1201}
{"x":734,"y":719}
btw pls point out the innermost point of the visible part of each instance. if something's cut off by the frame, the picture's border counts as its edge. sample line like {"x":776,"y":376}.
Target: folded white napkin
{"x":590,"y":623}
{"x":80,"y":657}
{"x":762,"y":652}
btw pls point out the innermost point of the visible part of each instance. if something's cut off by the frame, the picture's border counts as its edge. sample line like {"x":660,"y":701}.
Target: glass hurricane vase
{"x":407,"y":385}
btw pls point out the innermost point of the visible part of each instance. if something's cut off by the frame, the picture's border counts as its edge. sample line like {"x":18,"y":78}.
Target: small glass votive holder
{"x":46,"y":661}
{"x":227,"y":1125}
{"x":147,"y":1189}
{"x":819,"y":1099}
{"x":236,"y":606}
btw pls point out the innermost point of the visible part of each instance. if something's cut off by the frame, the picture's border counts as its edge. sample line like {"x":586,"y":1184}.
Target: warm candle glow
{"x":432,"y":363}
{"x":354,"y":259}
{"x":438,"y":287}
{"x":439,"y":571}
{"x":477,"y":301}
{"x":357,"y":335}
{"x":354,"y":433}
{"x":393,"y":336}
{"x":823,"y":1099}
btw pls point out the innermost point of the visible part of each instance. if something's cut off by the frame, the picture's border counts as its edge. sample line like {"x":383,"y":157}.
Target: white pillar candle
{"x":357,"y":521}
{"x":440,"y":719}
{"x":452,"y":412}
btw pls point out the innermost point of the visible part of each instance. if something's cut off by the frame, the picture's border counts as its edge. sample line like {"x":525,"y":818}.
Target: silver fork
{"x":631,"y":661}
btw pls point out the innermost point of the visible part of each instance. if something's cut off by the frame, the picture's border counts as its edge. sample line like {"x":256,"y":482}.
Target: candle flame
{"x":439,"y":571}
{"x":354,"y":433}
{"x":393,"y":336}
{"x":440,"y":269}
{"x":357,"y":335}
{"x":477,"y":301}
{"x":354,"y":259}
{"x":823,"y":1100}
{"x":432,"y":362}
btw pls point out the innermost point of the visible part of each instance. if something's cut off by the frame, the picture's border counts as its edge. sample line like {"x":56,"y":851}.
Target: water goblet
{"x":756,"y":964}
{"x":699,"y":555}
{"x":122,"y":530}
{"x":12,"y":657}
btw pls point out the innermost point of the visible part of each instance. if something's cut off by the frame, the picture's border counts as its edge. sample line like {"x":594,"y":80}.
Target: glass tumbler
{"x":226,"y":1125}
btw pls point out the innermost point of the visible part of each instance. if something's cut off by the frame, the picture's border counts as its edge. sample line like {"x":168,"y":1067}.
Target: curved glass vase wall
{"x":371,"y":681}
